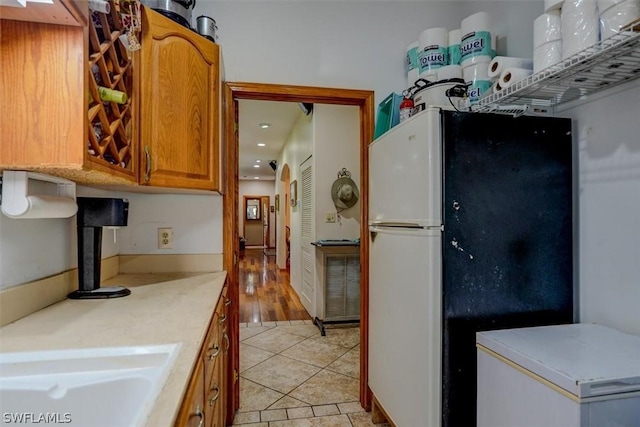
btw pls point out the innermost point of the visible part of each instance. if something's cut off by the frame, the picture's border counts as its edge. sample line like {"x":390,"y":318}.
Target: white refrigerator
{"x":580,"y":375}
{"x":451,"y":251}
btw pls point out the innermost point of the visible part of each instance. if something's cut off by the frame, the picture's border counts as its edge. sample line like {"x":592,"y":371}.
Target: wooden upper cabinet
{"x":48,"y":121}
{"x":178,"y":75}
{"x":60,"y":12}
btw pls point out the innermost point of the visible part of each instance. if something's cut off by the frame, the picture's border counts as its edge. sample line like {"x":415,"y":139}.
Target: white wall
{"x":608,"y":136}
{"x":196,"y":221}
{"x":257,"y":188}
{"x":299,"y":146}
{"x":31,"y":249}
{"x":336,"y":146}
{"x":350,"y":44}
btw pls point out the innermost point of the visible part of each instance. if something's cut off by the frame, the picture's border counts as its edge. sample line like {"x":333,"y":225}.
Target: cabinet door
{"x":42,"y":102}
{"x":192,"y":410}
{"x":179,"y":81}
{"x":62,"y":12}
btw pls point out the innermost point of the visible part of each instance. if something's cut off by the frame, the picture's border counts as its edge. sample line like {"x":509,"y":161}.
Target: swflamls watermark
{"x":36,"y":418}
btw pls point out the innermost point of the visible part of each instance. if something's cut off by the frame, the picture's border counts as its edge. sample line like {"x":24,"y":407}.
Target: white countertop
{"x":162,"y":309}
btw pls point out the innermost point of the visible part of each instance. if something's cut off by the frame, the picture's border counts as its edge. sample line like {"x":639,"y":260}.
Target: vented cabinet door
{"x":352,"y":299}
{"x":342,"y":284}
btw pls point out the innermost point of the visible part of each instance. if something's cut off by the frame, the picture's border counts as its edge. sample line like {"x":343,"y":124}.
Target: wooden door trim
{"x":364,"y":99}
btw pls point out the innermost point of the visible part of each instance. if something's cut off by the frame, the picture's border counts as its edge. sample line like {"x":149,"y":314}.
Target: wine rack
{"x":110,"y":136}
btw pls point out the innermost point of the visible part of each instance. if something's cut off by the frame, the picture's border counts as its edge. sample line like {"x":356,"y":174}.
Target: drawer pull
{"x":199,"y":413}
{"x":226,"y":338}
{"x":215,"y":353}
{"x":213,"y":399}
{"x":147,"y":173}
{"x":227,"y":301}
{"x":223,"y":319}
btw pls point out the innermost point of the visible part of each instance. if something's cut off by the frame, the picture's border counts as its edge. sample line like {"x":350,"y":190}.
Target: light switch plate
{"x":330,"y":217}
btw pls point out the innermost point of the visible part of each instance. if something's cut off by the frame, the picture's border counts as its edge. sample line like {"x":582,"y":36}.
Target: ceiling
{"x":281,"y":116}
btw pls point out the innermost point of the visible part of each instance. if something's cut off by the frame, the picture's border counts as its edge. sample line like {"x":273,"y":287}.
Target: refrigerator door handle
{"x":396,"y":224}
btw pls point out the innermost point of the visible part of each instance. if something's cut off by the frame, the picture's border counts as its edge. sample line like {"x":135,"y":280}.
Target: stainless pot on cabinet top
{"x":177,"y":10}
{"x":206,"y":26}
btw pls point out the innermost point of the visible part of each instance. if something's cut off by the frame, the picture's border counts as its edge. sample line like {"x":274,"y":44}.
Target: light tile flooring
{"x":291,"y":376}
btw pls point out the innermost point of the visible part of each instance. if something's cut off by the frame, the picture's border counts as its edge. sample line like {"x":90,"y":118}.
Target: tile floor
{"x":291,"y":376}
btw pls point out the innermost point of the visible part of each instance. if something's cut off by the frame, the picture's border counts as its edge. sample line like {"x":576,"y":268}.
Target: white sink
{"x":94,"y":387}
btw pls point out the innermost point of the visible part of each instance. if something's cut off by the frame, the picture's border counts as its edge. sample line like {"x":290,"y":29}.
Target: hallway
{"x":290,"y":375}
{"x":265,"y":294}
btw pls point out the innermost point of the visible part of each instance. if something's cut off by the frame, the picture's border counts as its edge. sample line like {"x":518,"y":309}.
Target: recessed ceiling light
{"x":256,"y":166}
{"x":264,"y":125}
{"x":256,"y":177}
{"x":258,"y":161}
{"x":261,"y":144}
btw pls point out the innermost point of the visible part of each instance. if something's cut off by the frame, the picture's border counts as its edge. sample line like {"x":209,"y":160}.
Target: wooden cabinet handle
{"x":214,"y":354}
{"x":213,"y":399}
{"x":227,"y":301}
{"x":199,"y":413}
{"x":223,"y":319}
{"x":226,"y":338}
{"x":147,"y":173}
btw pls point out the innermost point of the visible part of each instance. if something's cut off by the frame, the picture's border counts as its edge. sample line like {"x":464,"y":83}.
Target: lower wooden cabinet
{"x":204,"y":404}
{"x":192,"y":410}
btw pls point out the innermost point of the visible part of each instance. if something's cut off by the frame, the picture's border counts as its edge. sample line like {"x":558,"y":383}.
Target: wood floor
{"x":265,"y":293}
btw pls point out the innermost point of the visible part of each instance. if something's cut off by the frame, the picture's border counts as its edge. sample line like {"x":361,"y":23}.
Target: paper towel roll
{"x":433,"y":46}
{"x":616,"y":18}
{"x":477,"y":44}
{"x":547,"y":28}
{"x":476,"y":72}
{"x":411,"y":64}
{"x":500,"y":63}
{"x":496,"y":86}
{"x":604,"y":5}
{"x":580,"y":26}
{"x":512,"y":75}
{"x":547,"y":55}
{"x":478,"y":81}
{"x":43,"y":207}
{"x":454,"y":47}
{"x":449,"y":72}
{"x":550,"y":5}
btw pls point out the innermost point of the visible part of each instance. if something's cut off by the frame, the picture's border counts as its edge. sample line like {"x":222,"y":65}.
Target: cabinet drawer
{"x":213,"y":349}
{"x":214,"y":400}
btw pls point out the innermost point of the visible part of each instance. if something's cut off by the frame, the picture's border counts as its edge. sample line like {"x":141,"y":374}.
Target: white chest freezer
{"x":579,"y":375}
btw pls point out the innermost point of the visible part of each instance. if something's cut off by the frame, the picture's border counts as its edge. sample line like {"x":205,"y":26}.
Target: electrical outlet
{"x":330,"y":217}
{"x":165,"y":238}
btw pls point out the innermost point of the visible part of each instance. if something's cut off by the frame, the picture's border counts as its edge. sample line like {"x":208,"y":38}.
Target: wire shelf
{"x":606,"y":64}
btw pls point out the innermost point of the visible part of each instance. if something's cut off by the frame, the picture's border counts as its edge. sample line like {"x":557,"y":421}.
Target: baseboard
{"x":171,"y":263}
{"x":378,"y":414}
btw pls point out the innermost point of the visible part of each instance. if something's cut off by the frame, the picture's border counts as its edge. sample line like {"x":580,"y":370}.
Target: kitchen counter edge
{"x":162,"y":309}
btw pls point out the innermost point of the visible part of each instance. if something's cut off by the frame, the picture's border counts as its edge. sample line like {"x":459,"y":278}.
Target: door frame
{"x":234,"y":91}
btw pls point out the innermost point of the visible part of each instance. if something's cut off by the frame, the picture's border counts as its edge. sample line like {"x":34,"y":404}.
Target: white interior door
{"x":308,"y":297}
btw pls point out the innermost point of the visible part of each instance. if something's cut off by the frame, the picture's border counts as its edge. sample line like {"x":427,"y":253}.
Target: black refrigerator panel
{"x":508,"y":237}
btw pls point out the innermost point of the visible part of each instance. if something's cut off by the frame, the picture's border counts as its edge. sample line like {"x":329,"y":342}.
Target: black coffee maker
{"x":93,"y":214}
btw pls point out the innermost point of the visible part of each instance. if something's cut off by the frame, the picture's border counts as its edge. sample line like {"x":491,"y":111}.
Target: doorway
{"x":255,"y":221}
{"x":270,"y":92}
